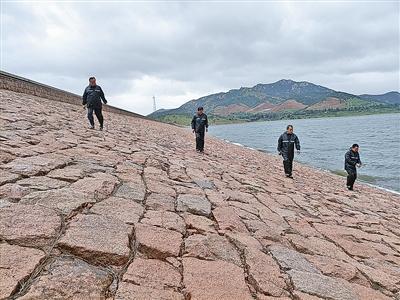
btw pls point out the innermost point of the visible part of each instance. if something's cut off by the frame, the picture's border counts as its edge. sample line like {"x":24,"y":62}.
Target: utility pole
{"x":154,"y":104}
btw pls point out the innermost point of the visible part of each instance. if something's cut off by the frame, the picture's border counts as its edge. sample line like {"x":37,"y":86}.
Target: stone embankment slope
{"x":134,"y":213}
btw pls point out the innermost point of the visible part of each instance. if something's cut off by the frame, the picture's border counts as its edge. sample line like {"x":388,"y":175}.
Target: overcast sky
{"x":180,"y":51}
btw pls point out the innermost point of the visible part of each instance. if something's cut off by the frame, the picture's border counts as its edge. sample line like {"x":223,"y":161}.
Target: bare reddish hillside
{"x":329,"y":103}
{"x":230,"y":109}
{"x":262,"y":107}
{"x":289,"y":105}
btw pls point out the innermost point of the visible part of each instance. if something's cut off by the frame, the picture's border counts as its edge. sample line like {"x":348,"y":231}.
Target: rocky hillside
{"x":284,"y":98}
{"x":134,"y":213}
{"x":388,"y":98}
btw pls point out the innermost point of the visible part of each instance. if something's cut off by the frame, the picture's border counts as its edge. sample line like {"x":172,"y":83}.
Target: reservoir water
{"x":324,"y":142}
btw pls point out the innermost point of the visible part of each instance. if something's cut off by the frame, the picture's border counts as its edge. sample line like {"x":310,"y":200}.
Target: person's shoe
{"x":101,"y":128}
{"x":350,"y":188}
{"x":289,"y":176}
{"x":91,"y":127}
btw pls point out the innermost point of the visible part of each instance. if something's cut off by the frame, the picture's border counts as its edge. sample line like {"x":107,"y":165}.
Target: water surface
{"x":324,"y":142}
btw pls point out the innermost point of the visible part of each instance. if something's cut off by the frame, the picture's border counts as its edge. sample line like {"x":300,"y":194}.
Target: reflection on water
{"x":325,"y":141}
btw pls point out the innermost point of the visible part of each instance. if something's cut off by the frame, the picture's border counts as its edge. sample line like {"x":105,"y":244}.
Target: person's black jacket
{"x":286,"y":144}
{"x":351,"y":159}
{"x":92,"y":96}
{"x":199,"y":122}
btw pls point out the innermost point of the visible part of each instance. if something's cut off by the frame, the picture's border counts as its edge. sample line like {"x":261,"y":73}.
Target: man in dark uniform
{"x":286,"y":143}
{"x":92,"y":98}
{"x":351,"y":162}
{"x":200,"y":126}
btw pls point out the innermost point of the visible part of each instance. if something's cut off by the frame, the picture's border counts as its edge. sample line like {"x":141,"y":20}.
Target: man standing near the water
{"x":351,"y":162}
{"x":286,"y":143}
{"x":92,"y":98}
{"x":199,"y":127}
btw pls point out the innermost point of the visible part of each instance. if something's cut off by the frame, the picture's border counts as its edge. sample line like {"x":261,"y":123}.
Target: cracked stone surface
{"x":214,"y":280}
{"x":133,"y":212}
{"x":62,"y":200}
{"x":264,"y":273}
{"x":157,"y":242}
{"x":211,"y":247}
{"x":160,"y":202}
{"x":98,"y":186}
{"x":290,"y":259}
{"x":194,"y":204}
{"x":69,"y":278}
{"x":131,"y":192}
{"x":165,"y":219}
{"x":16,"y":264}
{"x":125,"y":210}
{"x":153,"y":273}
{"x":29,"y":225}
{"x":128,"y":291}
{"x":98,"y":239}
{"x":322,"y":286}
{"x":199,"y":224}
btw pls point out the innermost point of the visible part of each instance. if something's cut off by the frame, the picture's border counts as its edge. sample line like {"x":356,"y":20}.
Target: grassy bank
{"x":365,"y":178}
{"x":185,"y":120}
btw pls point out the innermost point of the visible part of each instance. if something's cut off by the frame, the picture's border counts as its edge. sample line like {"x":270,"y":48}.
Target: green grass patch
{"x":340,"y":172}
{"x":366,"y":178}
{"x":185,"y":120}
{"x":354,"y":110}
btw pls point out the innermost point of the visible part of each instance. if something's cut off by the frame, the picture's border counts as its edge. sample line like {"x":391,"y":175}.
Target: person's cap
{"x":354,"y":146}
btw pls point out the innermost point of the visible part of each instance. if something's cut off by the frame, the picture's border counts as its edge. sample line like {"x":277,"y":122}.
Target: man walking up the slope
{"x":200,"y":126}
{"x":351,"y":162}
{"x":286,"y":143}
{"x":92,"y":98}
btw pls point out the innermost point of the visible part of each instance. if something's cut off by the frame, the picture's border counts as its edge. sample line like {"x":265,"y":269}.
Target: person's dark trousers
{"x":351,"y":178}
{"x":200,"y":141}
{"x":288,"y":166}
{"x":288,"y":162}
{"x":97,"y":110}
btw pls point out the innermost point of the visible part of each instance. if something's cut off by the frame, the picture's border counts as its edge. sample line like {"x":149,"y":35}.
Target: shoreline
{"x":311,"y":118}
{"x":311,"y":166}
{"x":244,"y":121}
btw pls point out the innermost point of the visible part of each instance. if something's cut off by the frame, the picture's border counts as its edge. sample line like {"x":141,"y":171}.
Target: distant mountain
{"x":282,"y":99}
{"x":389,"y":98}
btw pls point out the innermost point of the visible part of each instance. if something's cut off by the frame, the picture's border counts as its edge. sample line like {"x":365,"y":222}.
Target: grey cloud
{"x":177,"y":50}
